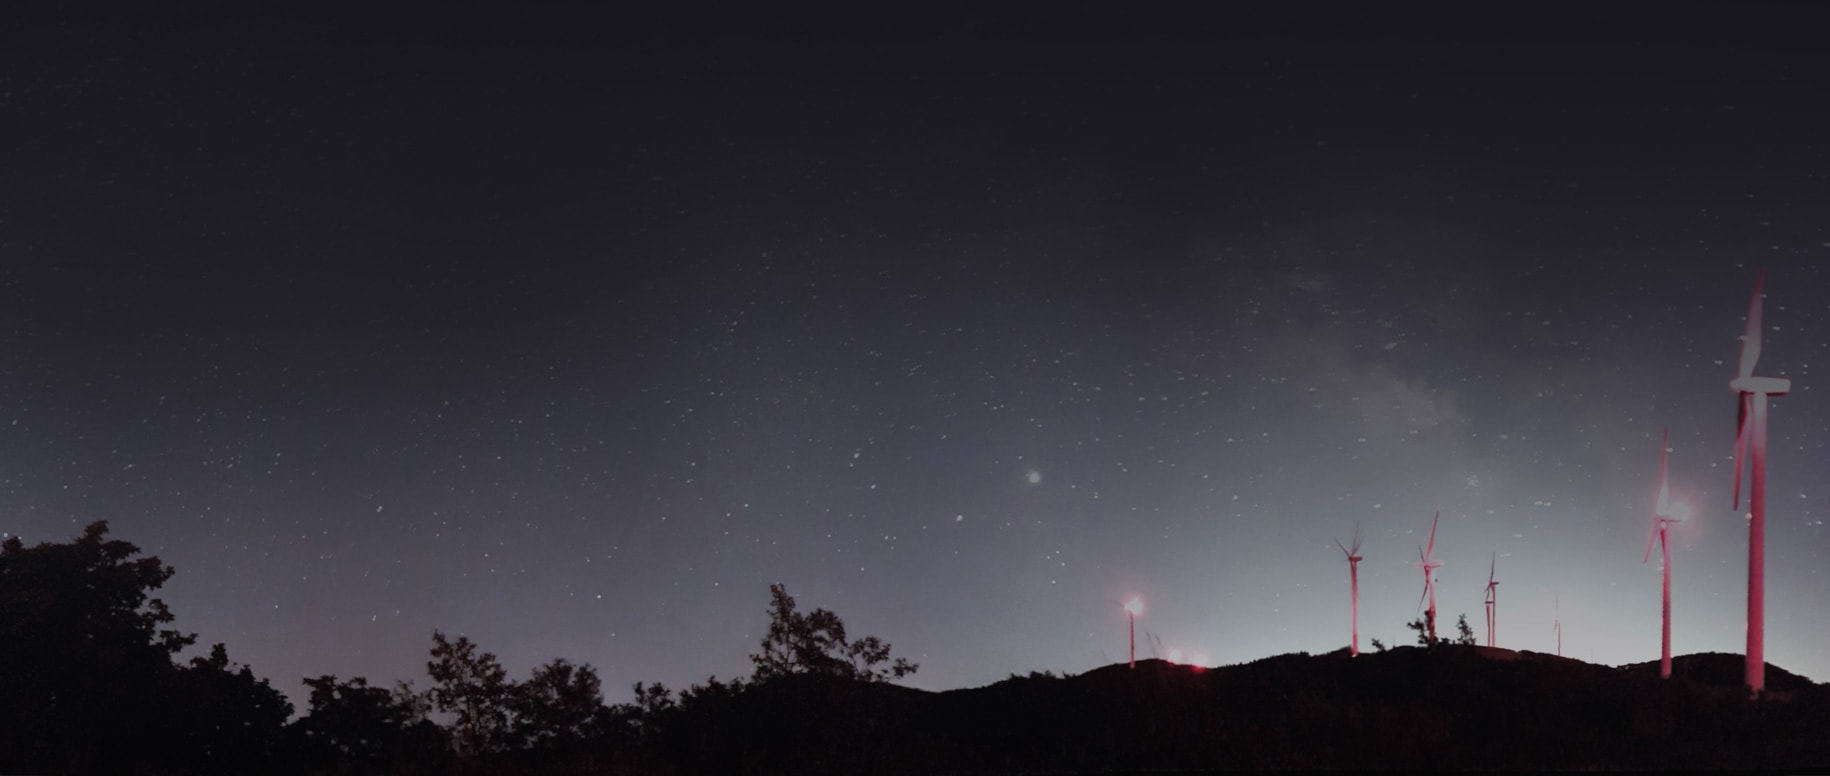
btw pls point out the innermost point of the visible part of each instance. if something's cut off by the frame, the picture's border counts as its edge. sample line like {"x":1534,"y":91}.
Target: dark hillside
{"x":1448,"y":708}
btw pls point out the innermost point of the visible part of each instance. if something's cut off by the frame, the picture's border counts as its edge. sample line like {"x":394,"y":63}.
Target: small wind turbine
{"x":1493,"y":597}
{"x":1754,"y":391}
{"x":1353,"y":574}
{"x":1133,"y":608}
{"x":1428,"y":562}
{"x":1662,"y":518}
{"x":1556,"y":625}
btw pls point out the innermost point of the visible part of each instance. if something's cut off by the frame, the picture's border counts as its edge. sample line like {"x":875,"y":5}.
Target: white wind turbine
{"x":1662,"y":518}
{"x":1428,"y":562}
{"x":1750,"y":435}
{"x":1353,"y":574}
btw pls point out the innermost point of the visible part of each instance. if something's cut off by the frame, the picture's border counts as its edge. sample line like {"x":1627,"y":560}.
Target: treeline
{"x":91,"y":684}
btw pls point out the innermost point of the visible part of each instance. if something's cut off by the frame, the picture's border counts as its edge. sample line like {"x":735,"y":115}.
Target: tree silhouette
{"x":89,"y":682}
{"x":815,"y":643}
{"x":1423,"y":626}
{"x":557,"y":706}
{"x":1465,"y":634}
{"x":475,"y":688}
{"x":84,"y":651}
{"x":368,"y":727}
{"x":228,"y":719}
{"x":645,"y":718}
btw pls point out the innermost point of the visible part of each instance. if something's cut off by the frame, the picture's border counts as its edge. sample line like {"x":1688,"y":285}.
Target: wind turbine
{"x":1556,"y":625}
{"x":1750,"y":432}
{"x":1662,"y":518}
{"x":1493,"y":597}
{"x":1428,"y":562}
{"x":1353,"y":574}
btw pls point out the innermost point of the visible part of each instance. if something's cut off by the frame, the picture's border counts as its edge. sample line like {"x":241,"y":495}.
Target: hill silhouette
{"x":1451,"y":707}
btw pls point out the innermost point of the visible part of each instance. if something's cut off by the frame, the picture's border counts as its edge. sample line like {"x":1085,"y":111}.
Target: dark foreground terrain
{"x":1453,"y":707}
{"x":91,"y":686}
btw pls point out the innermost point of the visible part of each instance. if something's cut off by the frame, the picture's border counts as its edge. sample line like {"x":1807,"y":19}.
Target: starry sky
{"x":571,"y":334}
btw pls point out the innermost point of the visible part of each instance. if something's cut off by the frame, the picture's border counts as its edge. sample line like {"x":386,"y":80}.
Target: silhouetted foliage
{"x":1464,"y":633}
{"x":557,"y":707}
{"x":647,"y":716}
{"x":368,"y":727}
{"x":475,"y":688}
{"x":1378,"y":646}
{"x":89,"y":682}
{"x":815,"y":643}
{"x":1422,"y":626}
{"x":227,"y":719}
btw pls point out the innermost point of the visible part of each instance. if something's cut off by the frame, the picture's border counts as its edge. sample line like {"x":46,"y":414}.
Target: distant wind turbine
{"x":1556,"y":625}
{"x":1750,"y":432}
{"x":1662,"y":518}
{"x":1493,"y":597}
{"x":1428,"y":562}
{"x":1353,"y":574}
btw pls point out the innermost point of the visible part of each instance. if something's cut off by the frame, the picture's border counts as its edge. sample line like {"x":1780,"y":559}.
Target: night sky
{"x":572,"y":334}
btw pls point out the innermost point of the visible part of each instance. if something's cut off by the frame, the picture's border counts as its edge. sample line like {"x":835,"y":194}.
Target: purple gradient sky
{"x":533,"y":331}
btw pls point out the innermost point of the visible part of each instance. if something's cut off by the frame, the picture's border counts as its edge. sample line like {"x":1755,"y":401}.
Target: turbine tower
{"x":1493,"y":597}
{"x":1133,"y":608}
{"x":1428,"y":562}
{"x":1353,"y":574}
{"x":1750,"y":433}
{"x":1662,"y":519}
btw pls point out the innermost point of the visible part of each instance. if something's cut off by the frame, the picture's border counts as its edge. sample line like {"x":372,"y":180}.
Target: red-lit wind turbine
{"x":1556,"y":625}
{"x":1428,"y":562}
{"x":1750,"y":432}
{"x":1133,"y":608}
{"x":1662,"y":518}
{"x":1353,"y":574}
{"x":1493,"y":597}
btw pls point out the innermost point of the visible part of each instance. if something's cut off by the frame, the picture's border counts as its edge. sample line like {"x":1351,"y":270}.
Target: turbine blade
{"x":1650,"y":538}
{"x":1432,"y":551}
{"x":1741,"y":433}
{"x":1492,"y":564}
{"x":1426,"y":589}
{"x":1750,"y":339}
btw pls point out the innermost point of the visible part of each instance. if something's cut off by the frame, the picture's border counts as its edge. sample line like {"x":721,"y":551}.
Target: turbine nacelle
{"x":1771,"y":386}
